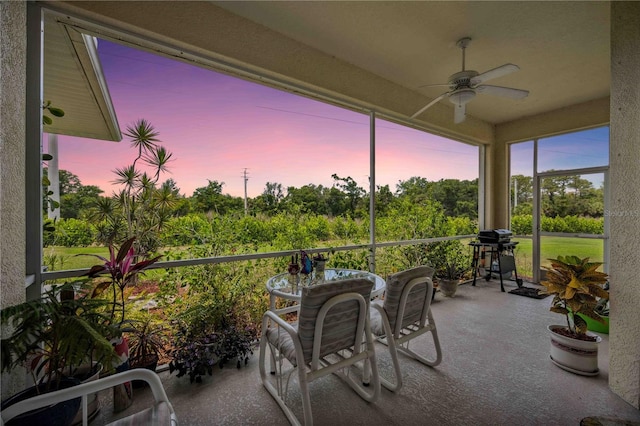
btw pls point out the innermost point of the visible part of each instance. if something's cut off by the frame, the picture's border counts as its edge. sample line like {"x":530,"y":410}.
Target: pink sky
{"x":216,"y":126}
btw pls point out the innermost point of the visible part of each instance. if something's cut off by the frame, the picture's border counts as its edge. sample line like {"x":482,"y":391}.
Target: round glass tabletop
{"x":281,"y":286}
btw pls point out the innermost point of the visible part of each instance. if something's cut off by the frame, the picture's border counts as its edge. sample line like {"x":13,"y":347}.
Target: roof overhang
{"x":74,"y":82}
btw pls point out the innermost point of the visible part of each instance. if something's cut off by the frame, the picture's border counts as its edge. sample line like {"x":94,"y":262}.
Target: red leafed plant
{"x":122,"y":269}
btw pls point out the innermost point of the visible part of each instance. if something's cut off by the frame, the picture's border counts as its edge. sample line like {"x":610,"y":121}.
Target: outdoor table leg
{"x":500,"y":269}
{"x":474,"y":263}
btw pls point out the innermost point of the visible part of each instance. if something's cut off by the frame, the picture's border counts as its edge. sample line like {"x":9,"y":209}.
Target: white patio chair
{"x":404,"y":315}
{"x":332,"y":334}
{"x":161,"y":413}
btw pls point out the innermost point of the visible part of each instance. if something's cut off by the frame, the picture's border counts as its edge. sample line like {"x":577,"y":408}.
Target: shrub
{"x":73,"y":233}
{"x":522,"y":224}
{"x":250,"y":229}
{"x":318,"y":227}
{"x":186,"y":230}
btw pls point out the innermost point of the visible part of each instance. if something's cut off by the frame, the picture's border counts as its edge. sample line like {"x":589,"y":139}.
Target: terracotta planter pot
{"x":574,"y":355}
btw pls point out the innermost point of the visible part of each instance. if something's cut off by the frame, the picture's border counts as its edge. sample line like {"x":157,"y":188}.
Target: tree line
{"x":561,"y":196}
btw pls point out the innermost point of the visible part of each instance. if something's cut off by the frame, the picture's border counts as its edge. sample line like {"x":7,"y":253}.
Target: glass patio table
{"x":280,"y":286}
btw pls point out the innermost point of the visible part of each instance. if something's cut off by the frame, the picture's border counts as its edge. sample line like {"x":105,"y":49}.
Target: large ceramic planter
{"x":574,"y":355}
{"x":60,"y":414}
{"x":448,"y":287}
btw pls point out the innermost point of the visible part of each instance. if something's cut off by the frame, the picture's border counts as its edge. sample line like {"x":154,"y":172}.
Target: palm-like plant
{"x":140,"y":207}
{"x":576,"y":285}
{"x":147,"y":341}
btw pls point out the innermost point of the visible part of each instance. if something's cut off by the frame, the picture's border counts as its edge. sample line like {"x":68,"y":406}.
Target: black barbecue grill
{"x":496,"y":243}
{"x":495,"y":236}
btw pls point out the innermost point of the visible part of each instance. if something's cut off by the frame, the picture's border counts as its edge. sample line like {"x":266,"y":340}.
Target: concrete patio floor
{"x":495,"y":371}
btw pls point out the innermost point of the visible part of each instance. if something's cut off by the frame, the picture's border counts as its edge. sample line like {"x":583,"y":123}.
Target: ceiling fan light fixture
{"x":462,"y":97}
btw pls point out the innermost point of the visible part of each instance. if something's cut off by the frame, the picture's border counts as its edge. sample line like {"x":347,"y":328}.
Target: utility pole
{"x":246,"y":178}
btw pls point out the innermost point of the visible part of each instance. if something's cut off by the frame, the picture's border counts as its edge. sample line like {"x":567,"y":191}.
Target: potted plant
{"x":198,"y":346}
{"x":52,"y":336}
{"x":450,"y":264}
{"x":121,"y":269}
{"x":575,"y":285}
{"x":146,"y":344}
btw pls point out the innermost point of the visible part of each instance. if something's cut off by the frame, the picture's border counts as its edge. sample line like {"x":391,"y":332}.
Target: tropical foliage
{"x":141,"y":206}
{"x":450,"y":259}
{"x":121,"y":269}
{"x":576,"y":286}
{"x":55,"y":334}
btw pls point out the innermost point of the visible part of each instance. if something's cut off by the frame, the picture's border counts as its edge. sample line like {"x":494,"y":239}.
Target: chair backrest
{"x":339,"y":330}
{"x":418,"y":296}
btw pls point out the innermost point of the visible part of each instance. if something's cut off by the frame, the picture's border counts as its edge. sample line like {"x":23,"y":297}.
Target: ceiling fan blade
{"x":434,"y":85}
{"x":433,"y":102}
{"x":495,"y":73}
{"x":507,"y":92}
{"x":460,"y":113}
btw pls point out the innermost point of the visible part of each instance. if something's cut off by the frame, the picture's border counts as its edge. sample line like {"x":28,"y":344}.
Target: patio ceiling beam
{"x":569,"y":119}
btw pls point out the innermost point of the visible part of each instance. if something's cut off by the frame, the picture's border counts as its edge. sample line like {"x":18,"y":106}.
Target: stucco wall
{"x":12,"y":135}
{"x":624,"y":364}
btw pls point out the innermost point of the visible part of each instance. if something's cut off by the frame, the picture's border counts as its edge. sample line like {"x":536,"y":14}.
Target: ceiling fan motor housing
{"x":462,"y":79}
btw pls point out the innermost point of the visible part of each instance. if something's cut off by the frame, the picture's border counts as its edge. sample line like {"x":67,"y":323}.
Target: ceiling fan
{"x":464,"y":85}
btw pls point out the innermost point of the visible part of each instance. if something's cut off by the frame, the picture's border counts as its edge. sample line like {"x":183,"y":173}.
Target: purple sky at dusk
{"x":585,"y":149}
{"x":216,"y":126}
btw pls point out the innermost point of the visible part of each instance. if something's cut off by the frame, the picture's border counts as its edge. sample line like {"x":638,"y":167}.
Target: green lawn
{"x":553,"y":247}
{"x":66,"y":257}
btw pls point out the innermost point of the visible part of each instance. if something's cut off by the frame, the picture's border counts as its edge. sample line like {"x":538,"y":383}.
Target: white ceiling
{"x":562,"y":48}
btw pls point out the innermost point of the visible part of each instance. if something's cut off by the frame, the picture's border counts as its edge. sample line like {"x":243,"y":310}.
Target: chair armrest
{"x":80,"y":390}
{"x":284,"y":325}
{"x":270,"y":315}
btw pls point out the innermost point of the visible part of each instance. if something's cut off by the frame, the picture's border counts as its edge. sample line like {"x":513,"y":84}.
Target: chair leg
{"x":277,"y":392}
{"x":431,"y":362}
{"x":306,"y":399}
{"x":393,"y":351}
{"x":388,"y":340}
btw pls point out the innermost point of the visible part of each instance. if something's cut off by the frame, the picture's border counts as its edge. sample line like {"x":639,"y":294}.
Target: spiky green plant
{"x":576,"y":285}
